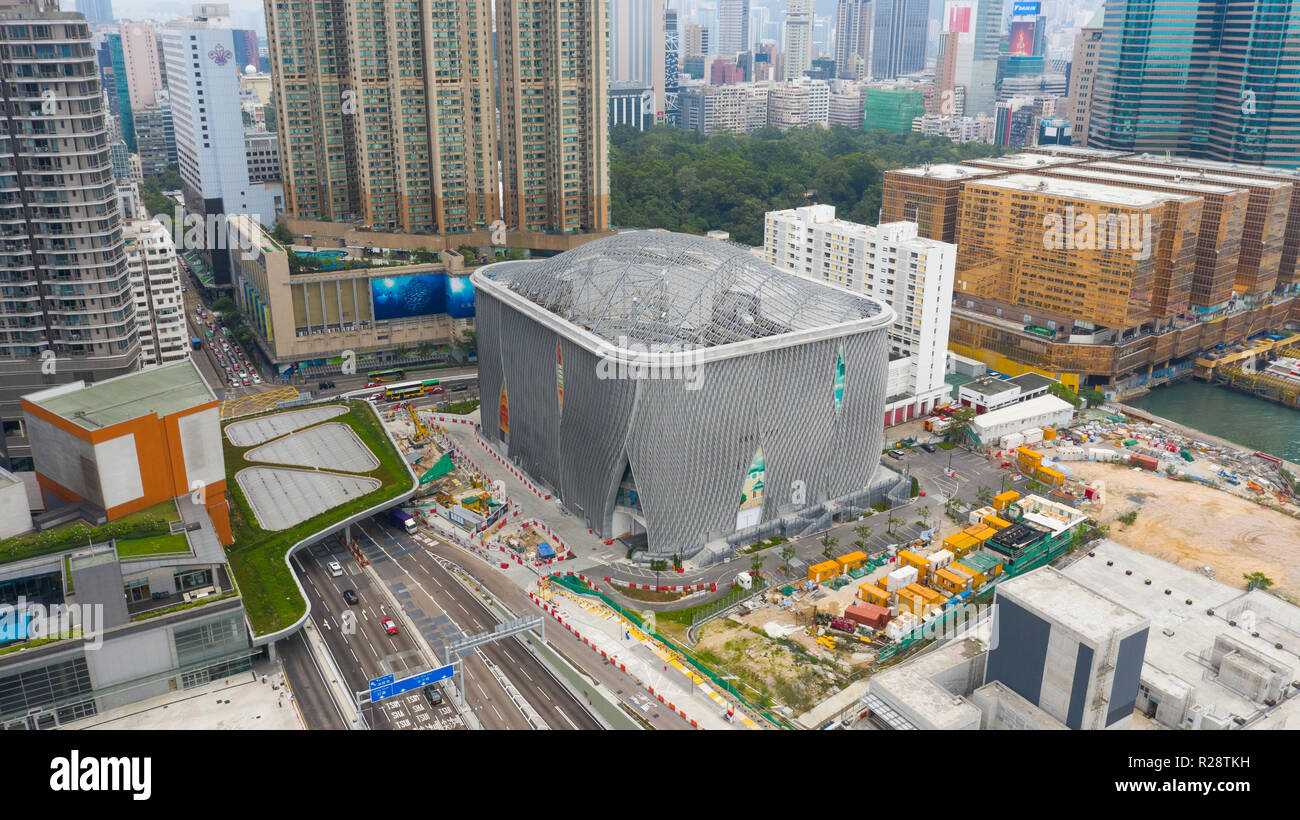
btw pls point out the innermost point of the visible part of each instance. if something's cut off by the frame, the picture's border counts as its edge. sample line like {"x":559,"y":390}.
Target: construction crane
{"x":421,"y":432}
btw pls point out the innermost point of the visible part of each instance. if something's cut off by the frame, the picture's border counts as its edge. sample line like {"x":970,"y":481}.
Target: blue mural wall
{"x":422,"y":294}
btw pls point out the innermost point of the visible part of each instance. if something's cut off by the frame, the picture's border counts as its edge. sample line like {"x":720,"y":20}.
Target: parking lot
{"x":972,"y":469}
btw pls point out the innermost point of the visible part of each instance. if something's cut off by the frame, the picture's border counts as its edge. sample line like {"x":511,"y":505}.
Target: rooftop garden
{"x":146,"y":532}
{"x":270,"y":595}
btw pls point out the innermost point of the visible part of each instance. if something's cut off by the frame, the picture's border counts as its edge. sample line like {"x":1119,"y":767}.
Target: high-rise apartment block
{"x":891,"y":263}
{"x":554,"y":90}
{"x":386,"y":117}
{"x":66,"y":312}
{"x":1206,"y":79}
{"x":798,"y":38}
{"x":799,"y":103}
{"x":140,"y":62}
{"x":1083,"y":77}
{"x":853,"y":39}
{"x":156,"y":287}
{"x":739,"y":108}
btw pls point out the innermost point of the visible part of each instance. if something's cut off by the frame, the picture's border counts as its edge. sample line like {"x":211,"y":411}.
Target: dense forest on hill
{"x":684,"y":181}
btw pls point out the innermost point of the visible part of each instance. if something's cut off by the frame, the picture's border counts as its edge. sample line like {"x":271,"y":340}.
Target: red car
{"x":389,"y":626}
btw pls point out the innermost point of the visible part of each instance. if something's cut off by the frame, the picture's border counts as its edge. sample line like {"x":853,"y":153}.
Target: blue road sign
{"x":385,"y":687}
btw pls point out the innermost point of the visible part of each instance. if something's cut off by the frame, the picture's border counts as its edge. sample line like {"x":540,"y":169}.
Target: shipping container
{"x":873,"y":594}
{"x":978,"y":516}
{"x":940,"y":559}
{"x":1001,"y":500}
{"x":1049,"y":433}
{"x":960,"y":543}
{"x":900,"y":578}
{"x":851,"y":561}
{"x":910,"y":559}
{"x":997,"y":523}
{"x":1145,"y":462}
{"x":824,"y":571}
{"x":868,"y":615}
{"x":1033,"y":435}
{"x":954,"y":582}
{"x":1011,"y":441}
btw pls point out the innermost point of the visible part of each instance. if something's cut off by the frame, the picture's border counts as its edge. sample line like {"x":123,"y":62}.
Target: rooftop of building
{"x":1021,"y":162}
{"x":1118,"y":178}
{"x":7,"y":478}
{"x":671,"y":291}
{"x":988,"y":386}
{"x":164,"y":390}
{"x":1083,"y":191}
{"x":1218,"y":166}
{"x":1029,"y":382}
{"x":1050,"y":592}
{"x":945,"y":171}
{"x":1025,"y":409}
{"x":1183,"y":634}
{"x":1189,"y":174}
{"x":910,"y":684}
{"x":823,"y":216}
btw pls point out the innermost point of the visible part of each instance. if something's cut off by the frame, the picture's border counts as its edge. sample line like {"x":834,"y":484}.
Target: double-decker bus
{"x":385,"y":376}
{"x":409,"y":390}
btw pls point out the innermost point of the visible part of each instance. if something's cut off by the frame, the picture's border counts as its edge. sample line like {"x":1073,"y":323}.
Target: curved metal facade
{"x":688,"y":442}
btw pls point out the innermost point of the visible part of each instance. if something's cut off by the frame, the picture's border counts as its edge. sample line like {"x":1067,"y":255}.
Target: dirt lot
{"x":1192,"y":526}
{"x":768,"y":665}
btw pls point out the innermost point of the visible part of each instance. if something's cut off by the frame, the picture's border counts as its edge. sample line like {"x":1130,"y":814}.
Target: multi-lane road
{"x":506,"y":686}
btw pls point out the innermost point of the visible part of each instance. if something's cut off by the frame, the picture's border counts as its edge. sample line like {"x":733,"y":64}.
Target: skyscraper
{"x":733,"y":27}
{"x":852,"y":39}
{"x":695,"y":40}
{"x":968,"y":57}
{"x":554,"y":114}
{"x":672,"y":53}
{"x":636,"y":40}
{"x":245,"y":47}
{"x":140,"y":63}
{"x":898,"y":37}
{"x":113,"y":68}
{"x":65,"y":310}
{"x":204,"y":95}
{"x":1083,"y":77}
{"x":96,"y":11}
{"x":798,"y":38}
{"x":388,"y":117}
{"x":1211,"y":79}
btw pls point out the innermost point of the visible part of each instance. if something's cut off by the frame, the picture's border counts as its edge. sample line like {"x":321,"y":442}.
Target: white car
{"x":335,"y":568}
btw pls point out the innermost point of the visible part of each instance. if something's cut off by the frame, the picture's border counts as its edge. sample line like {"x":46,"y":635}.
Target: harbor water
{"x":1255,"y":424}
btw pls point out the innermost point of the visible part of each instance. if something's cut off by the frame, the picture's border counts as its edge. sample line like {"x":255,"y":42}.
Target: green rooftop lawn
{"x":146,"y":524}
{"x":270,"y":595}
{"x":166,"y":544}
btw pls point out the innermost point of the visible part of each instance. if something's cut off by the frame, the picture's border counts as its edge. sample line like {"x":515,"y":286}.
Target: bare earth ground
{"x":1193,"y":526}
{"x":767,"y":665}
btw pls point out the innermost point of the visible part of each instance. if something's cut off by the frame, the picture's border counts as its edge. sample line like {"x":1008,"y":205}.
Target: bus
{"x":382,"y":376}
{"x":409,"y":390}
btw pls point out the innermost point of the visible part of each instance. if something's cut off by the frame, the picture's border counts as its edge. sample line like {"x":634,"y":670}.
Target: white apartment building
{"x":739,"y":108}
{"x":957,"y":129}
{"x":798,"y":103}
{"x":203,"y":86}
{"x":798,"y":38}
{"x":156,"y":289}
{"x":890,"y":262}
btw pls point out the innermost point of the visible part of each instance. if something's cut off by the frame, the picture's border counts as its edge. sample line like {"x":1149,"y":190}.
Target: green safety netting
{"x":439,"y":469}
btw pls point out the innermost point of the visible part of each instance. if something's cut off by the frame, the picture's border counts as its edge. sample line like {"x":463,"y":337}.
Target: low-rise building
{"x":1044,"y":411}
{"x":993,"y":392}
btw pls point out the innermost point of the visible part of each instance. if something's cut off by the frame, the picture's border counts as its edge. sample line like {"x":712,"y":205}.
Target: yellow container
{"x":911,"y":601}
{"x":953,"y":582}
{"x":1049,"y":433}
{"x":1050,"y":477}
{"x":1002,"y":500}
{"x":853,"y":560}
{"x":960,"y":543}
{"x":911,"y":559}
{"x":931,"y":596}
{"x":824,"y":571}
{"x":996,"y":523}
{"x":977,"y":577}
{"x":873,"y":594}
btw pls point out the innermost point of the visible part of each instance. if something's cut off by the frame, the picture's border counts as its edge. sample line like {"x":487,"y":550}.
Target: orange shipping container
{"x":960,"y":543}
{"x":997,"y":523}
{"x":824,"y":571}
{"x":853,"y":560}
{"x":1002,"y":500}
{"x":952,"y":581}
{"x":911,"y":559}
{"x":873,"y":594}
{"x":976,"y":576}
{"x":1049,"y":433}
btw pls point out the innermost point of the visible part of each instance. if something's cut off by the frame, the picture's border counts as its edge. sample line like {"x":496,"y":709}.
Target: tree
{"x":281,"y":233}
{"x":864,"y":532}
{"x":924,"y":514}
{"x":756,"y":566}
{"x":958,"y":423}
{"x":983,"y":495}
{"x":828,"y":545}
{"x":787,"y":552}
{"x":1094,"y":397}
{"x":1257,"y":580}
{"x":658,"y":565}
{"x":1065,"y":394}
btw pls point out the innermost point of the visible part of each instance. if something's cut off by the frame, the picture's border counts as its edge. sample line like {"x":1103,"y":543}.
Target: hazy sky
{"x":243,"y":13}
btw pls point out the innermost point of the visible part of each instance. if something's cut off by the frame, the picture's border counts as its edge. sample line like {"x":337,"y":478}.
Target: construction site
{"x":1267,"y":367}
